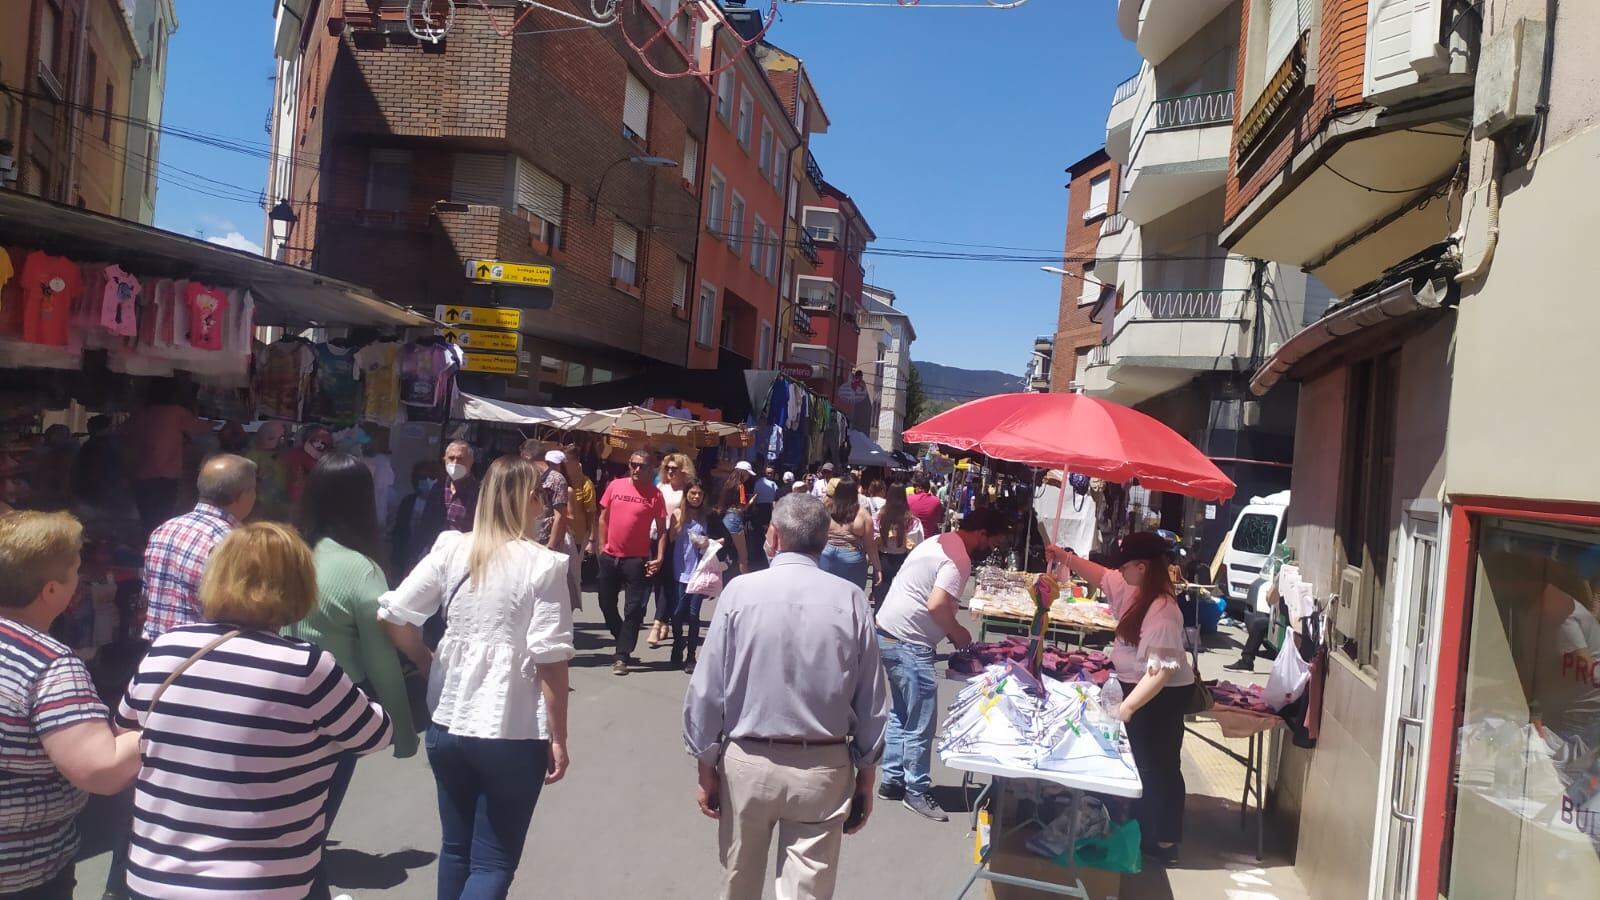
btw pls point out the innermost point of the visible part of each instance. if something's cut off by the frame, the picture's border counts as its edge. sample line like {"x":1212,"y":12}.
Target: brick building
{"x":750,"y":144}
{"x":68,"y":71}
{"x":401,"y":159}
{"x":831,"y":296}
{"x":1091,"y":212}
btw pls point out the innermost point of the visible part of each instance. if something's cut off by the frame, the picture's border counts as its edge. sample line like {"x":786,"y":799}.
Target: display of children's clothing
{"x":378,"y":368}
{"x":336,"y":395}
{"x":283,"y":378}
{"x":49,"y":286}
{"x":207,"y":309}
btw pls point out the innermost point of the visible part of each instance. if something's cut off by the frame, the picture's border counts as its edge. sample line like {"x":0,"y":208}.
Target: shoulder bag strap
{"x":184,"y":667}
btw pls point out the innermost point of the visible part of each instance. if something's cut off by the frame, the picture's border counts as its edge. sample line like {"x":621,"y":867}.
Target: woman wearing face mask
{"x":693,"y":526}
{"x":298,"y":463}
{"x":1156,"y":677}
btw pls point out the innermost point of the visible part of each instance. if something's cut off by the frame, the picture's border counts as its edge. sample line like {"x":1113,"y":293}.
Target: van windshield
{"x":1255,"y":533}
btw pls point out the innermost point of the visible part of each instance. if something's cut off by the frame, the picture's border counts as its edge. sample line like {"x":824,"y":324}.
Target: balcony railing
{"x":814,"y":172}
{"x":1191,"y":111}
{"x":1099,"y":355}
{"x":808,"y":246}
{"x":1113,"y":224}
{"x":1181,"y":304}
{"x":1125,"y":90}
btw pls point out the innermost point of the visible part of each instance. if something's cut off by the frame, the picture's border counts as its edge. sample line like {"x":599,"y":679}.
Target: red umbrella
{"x":1079,"y":434}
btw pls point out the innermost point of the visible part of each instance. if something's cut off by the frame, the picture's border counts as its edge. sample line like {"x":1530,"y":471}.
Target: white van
{"x":1255,"y":536}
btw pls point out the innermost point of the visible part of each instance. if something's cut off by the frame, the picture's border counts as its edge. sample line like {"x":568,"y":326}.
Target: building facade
{"x":1041,"y":363}
{"x":831,"y":296}
{"x":1092,"y":195}
{"x":401,"y":160}
{"x":884,"y":358}
{"x":68,"y":69}
{"x":751,"y":141}
{"x":154,"y":24}
{"x":1185,"y":320}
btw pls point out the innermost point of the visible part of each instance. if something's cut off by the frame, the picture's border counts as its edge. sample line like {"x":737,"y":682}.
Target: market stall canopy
{"x":285,"y":295}
{"x":650,"y":422}
{"x":864,"y":451}
{"x":472,"y":408}
{"x":1080,"y":434}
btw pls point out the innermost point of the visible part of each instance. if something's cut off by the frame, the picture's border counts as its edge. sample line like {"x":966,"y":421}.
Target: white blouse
{"x":1160,"y":636}
{"x":483,"y":683}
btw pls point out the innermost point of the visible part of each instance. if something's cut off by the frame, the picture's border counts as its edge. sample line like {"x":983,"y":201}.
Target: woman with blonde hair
{"x":243,"y":729}
{"x":497,"y":686}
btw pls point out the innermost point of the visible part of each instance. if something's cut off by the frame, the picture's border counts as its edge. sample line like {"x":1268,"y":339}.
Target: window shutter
{"x":478,"y":178}
{"x":680,"y":284}
{"x":1099,"y":193}
{"x":636,"y":108}
{"x":625,"y":242}
{"x":1283,"y":29}
{"x":538,"y":192}
{"x":691,"y":158}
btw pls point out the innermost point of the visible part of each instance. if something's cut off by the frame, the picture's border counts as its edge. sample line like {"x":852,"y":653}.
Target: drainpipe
{"x":1482,"y":268}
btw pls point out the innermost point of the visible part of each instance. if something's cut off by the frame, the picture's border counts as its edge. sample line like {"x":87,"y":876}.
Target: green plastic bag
{"x":1116,"y":852}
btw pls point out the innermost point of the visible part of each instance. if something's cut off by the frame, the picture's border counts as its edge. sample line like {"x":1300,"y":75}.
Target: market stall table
{"x":1254,"y":727}
{"x":1002,"y":600}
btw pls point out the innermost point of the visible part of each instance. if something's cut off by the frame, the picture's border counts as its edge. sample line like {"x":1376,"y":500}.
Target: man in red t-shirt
{"x":925,"y":506}
{"x":628,"y":557}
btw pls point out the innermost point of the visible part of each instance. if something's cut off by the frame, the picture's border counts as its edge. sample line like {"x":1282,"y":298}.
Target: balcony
{"x":814,"y":172}
{"x":1119,"y":122}
{"x":1158,"y":27}
{"x":1180,"y":153}
{"x":1113,"y":224}
{"x":1162,"y":338}
{"x":808,"y":246}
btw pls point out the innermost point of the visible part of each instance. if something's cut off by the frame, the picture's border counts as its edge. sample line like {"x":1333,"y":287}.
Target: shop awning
{"x":472,"y":408}
{"x":650,"y":422}
{"x":285,"y":295}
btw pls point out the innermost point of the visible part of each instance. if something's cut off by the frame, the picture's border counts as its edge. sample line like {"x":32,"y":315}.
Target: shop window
{"x":1363,"y":522}
{"x":1526,"y":820}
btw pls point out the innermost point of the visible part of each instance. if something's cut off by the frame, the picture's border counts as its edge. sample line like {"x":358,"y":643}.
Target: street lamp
{"x":659,"y":162}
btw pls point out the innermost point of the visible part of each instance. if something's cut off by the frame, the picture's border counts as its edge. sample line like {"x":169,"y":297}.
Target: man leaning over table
{"x":919,"y":611}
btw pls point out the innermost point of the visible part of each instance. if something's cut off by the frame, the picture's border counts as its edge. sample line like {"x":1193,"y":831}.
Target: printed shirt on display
{"x":173,"y":562}
{"x":422,"y":367}
{"x":378,"y":367}
{"x":282,"y":379}
{"x":44,"y":686}
{"x":337,"y":394}
{"x":119,"y":302}
{"x":49,"y":285}
{"x":208,"y":314}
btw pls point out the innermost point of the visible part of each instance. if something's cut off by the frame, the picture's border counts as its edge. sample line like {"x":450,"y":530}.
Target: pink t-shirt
{"x":1160,"y":635}
{"x":927,"y":508}
{"x":629,"y":514}
{"x":153,"y":440}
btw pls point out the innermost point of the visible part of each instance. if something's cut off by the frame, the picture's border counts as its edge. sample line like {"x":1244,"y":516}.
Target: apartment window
{"x":736,"y":223}
{"x":636,"y":110}
{"x":794,"y":197}
{"x":1099,"y":196}
{"x":478,"y":178}
{"x":758,"y":245}
{"x":821,"y":224}
{"x":1091,"y":287}
{"x":716,"y":199}
{"x":149,"y":163}
{"x":705,"y":318}
{"x":680,"y":283}
{"x":725,"y":96}
{"x":800,"y":114}
{"x":1363,"y":518}
{"x":764,"y":347}
{"x":105,"y":119}
{"x":92,"y":76}
{"x":1283,"y":29}
{"x":388,"y":179}
{"x":691,"y":159}
{"x":625,"y":253}
{"x":776,"y":174}
{"x":544,"y":199}
{"x":813,"y":292}
{"x":774,"y":254}
{"x":746,"y":114}
{"x":49,"y":36}
{"x":765,"y":162}
{"x":160,"y":41}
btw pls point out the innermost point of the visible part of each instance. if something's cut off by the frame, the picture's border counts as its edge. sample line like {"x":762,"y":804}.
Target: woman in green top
{"x":338,"y":518}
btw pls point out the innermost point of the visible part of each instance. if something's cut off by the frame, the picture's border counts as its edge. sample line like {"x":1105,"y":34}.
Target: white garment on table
{"x":1160,"y":636}
{"x":938,"y":563}
{"x":483,"y":682}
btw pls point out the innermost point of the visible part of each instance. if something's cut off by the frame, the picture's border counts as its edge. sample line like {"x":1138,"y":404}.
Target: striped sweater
{"x":237,"y":758}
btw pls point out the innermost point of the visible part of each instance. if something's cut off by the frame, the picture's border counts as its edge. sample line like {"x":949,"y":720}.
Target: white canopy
{"x":472,"y":408}
{"x":864,"y":451}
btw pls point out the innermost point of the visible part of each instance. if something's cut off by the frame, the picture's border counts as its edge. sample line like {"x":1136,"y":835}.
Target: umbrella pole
{"x":1027,"y":541}
{"x":1061,"y":499}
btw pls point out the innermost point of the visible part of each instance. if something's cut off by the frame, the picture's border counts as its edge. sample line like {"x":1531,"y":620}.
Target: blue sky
{"x":947,"y":125}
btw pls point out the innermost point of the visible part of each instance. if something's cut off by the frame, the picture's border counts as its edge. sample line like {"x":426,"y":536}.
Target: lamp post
{"x":659,"y":162}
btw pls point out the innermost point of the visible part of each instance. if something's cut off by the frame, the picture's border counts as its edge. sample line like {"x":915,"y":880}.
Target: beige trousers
{"x":803,"y":792}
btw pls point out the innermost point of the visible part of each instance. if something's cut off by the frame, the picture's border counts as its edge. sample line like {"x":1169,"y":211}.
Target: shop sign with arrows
{"x":476,"y":339}
{"x":478,"y":317}
{"x":501,"y":272}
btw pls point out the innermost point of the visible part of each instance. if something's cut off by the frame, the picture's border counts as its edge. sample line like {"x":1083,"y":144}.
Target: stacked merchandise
{"x":1008,"y":593}
{"x":1006,"y":717}
{"x":1089,"y":665}
{"x":340,"y":383}
{"x":1240,"y":697}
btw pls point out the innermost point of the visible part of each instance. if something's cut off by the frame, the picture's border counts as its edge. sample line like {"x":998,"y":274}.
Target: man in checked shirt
{"x":178,"y":549}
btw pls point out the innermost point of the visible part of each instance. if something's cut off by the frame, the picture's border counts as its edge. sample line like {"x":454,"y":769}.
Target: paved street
{"x":624,"y":824}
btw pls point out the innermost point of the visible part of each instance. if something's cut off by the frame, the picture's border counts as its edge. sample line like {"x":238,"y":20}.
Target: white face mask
{"x":456,"y":471}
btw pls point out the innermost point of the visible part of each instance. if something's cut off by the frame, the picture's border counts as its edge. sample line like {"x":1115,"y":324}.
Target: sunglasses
{"x":672,"y":468}
{"x":634,"y":465}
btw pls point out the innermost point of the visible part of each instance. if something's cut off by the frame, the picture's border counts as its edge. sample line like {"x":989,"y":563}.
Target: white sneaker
{"x":343,"y":897}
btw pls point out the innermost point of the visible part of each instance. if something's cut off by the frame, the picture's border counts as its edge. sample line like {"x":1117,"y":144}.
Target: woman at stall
{"x":851,"y":541}
{"x":1153,"y":668}
{"x":898,"y":532}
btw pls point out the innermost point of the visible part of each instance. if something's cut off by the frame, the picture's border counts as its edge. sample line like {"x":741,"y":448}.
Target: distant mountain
{"x":946,"y":384}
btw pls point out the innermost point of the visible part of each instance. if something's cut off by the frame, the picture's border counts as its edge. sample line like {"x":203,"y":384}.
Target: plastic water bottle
{"x":1110,"y":699}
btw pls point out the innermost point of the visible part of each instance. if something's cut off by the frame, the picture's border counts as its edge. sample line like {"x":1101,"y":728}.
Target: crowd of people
{"x":280,"y":654}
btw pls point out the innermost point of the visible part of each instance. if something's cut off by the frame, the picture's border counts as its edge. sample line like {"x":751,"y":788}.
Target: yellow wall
{"x":100,"y":161}
{"x":13,"y":65}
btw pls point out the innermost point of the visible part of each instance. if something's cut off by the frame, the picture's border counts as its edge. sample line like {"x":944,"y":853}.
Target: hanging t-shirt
{"x":282,"y":379}
{"x":119,"y":302}
{"x":378,"y":367}
{"x":208,"y":312}
{"x":422,"y":367}
{"x":336,"y":395}
{"x":49,"y":285}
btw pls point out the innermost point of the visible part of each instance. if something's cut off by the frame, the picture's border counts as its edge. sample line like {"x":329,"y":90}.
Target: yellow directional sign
{"x":478,"y":316}
{"x":508,"y":272}
{"x":476,"y":339}
{"x":491,"y":363}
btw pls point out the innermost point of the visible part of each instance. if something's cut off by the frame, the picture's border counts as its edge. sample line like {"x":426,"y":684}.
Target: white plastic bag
{"x":1289,"y":676}
{"x":707,"y":577}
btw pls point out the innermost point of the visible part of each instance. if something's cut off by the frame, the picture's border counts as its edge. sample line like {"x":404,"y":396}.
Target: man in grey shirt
{"x":786,"y":713}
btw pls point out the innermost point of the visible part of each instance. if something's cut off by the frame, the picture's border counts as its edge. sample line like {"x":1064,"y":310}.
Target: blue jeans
{"x":914,"y":702}
{"x":338,"y":785}
{"x":846,"y":562}
{"x":487,"y":792}
{"x":685,"y":621}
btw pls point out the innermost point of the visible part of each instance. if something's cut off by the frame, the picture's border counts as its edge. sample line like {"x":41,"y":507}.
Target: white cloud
{"x":237,"y":241}
{"x":216,"y":223}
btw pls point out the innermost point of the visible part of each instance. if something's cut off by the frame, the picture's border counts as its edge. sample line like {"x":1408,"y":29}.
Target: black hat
{"x":1140,"y":546}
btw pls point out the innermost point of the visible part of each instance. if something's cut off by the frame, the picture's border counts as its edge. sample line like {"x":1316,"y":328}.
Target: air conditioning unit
{"x":1414,"y":48}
